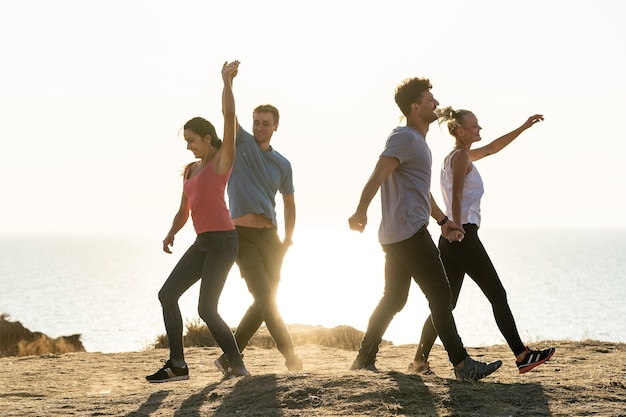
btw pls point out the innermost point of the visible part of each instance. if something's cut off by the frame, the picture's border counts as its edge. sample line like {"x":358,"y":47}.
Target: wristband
{"x":443,"y":221}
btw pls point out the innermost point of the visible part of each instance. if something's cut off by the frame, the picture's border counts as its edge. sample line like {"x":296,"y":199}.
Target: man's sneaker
{"x":236,"y":372}
{"x":169,"y":373}
{"x":361,"y":364}
{"x":221,"y":364}
{"x":294,"y":364}
{"x":534,"y":358}
{"x":420,"y":368}
{"x":475,"y":370}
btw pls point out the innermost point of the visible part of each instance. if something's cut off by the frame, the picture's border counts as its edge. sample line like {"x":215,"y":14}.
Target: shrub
{"x":16,"y":340}
{"x":342,"y":337}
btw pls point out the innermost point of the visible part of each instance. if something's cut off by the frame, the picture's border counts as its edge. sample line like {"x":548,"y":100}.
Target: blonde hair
{"x":453,"y":117}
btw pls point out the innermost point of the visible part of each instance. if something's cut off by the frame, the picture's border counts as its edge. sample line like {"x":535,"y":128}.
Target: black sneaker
{"x":169,"y":373}
{"x":475,"y":370}
{"x":534,"y":358}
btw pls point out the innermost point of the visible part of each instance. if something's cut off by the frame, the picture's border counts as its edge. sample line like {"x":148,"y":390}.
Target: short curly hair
{"x":410,"y":91}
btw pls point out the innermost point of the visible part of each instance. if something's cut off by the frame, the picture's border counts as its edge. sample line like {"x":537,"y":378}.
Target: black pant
{"x":470,"y":257}
{"x":260,"y":260}
{"x":415,"y":258}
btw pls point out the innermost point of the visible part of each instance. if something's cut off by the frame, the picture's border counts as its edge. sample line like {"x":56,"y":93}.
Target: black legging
{"x":209,"y":260}
{"x":470,"y":257}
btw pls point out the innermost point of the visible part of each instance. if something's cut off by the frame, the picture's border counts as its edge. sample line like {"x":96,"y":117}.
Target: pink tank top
{"x":205,"y":192}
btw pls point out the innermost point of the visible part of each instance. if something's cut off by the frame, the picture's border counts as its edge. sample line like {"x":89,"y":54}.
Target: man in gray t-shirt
{"x":405,"y":195}
{"x":403,"y":174}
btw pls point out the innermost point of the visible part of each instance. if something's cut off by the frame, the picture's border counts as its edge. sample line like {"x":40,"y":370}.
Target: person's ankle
{"x":520,"y":357}
{"x":178,"y":363}
{"x":420,"y":357}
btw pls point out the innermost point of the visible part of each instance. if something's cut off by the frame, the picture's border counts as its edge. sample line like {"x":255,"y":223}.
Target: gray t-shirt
{"x":405,"y":194}
{"x":256,"y":178}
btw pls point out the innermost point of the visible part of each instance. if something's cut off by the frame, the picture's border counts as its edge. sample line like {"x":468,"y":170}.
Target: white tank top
{"x":472,"y":192}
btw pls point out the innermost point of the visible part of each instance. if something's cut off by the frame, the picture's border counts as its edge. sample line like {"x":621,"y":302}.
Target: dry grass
{"x":582,"y":379}
{"x":16,"y":340}
{"x":342,"y":337}
{"x":45,"y":345}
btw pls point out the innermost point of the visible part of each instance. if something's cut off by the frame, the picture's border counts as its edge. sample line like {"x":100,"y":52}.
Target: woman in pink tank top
{"x":213,"y":253}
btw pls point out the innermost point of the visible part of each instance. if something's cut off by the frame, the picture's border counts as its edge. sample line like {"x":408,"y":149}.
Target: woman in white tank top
{"x":464,"y":253}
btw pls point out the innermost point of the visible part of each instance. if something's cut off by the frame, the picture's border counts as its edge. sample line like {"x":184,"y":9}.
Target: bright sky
{"x":93,"y":95}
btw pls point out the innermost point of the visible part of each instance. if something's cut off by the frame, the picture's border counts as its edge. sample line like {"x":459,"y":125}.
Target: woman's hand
{"x":229,"y":71}
{"x":454,"y":236}
{"x":536,"y":118}
{"x":452,"y":231}
{"x":167,"y":242}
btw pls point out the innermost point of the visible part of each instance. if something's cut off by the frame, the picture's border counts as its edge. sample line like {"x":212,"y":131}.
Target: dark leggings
{"x":470,"y":257}
{"x":209,"y":260}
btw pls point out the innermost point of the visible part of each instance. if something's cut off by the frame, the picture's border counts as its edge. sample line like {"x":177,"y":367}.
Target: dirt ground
{"x":582,"y":379}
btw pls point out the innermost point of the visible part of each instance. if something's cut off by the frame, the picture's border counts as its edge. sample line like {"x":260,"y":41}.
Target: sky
{"x":93,"y":95}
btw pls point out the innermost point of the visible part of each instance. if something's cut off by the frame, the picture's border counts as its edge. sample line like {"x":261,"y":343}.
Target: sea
{"x":562,"y":284}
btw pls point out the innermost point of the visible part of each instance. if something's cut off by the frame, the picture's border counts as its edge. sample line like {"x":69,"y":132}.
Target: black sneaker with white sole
{"x":169,"y":373}
{"x":534,"y":358}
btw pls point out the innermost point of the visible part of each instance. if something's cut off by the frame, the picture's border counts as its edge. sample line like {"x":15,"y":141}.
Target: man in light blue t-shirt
{"x":403,"y":174}
{"x":259,"y":173}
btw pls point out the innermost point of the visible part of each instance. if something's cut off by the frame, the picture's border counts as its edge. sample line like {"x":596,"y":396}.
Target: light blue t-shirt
{"x":256,"y":178}
{"x":405,"y":194}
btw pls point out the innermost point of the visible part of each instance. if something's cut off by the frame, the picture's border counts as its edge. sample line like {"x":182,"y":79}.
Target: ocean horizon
{"x":562,"y":284}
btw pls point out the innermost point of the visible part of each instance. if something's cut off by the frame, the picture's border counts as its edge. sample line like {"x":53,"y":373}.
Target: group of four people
{"x":253,"y":172}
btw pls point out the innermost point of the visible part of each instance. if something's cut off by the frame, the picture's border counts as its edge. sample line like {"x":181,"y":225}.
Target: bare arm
{"x":435,"y":212}
{"x":500,"y":143}
{"x":226,"y":154}
{"x":289,"y":203}
{"x":180,"y":218}
{"x":224,"y":104}
{"x":448,"y":226}
{"x":460,"y":165}
{"x":384,"y":167}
